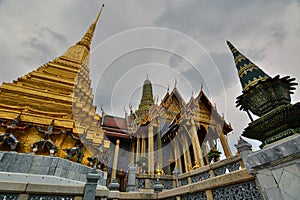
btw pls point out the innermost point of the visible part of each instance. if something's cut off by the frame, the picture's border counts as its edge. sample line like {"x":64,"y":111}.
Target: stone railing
{"x":239,"y":184}
{"x":222,"y":167}
{"x":215,"y":181}
{"x":234,"y":163}
{"x":145,"y":181}
{"x":220,"y":180}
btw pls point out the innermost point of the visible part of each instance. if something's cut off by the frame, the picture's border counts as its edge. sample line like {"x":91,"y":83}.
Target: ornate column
{"x":196,"y":145}
{"x":115,"y":163}
{"x":150,"y":150}
{"x":195,"y":149}
{"x":138,"y":149}
{"x":143,"y":151}
{"x":159,"y":147}
{"x":177,"y":154}
{"x":132,"y":152}
{"x":170,"y":160}
{"x":186,"y":153}
{"x":224,"y":144}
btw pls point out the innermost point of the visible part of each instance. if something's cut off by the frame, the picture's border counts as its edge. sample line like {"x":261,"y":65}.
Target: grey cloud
{"x":226,"y":66}
{"x":41,"y":46}
{"x":279,"y":33}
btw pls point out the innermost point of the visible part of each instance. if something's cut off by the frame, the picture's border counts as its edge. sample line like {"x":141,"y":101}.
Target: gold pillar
{"x":170,"y":160}
{"x":159,"y":147}
{"x":150,"y":150}
{"x":196,"y":145}
{"x":169,"y":167}
{"x":187,"y":157}
{"x":225,"y":145}
{"x":132,"y":152}
{"x":143,"y":146}
{"x":138,"y":150}
{"x":195,"y":149}
{"x":115,"y":163}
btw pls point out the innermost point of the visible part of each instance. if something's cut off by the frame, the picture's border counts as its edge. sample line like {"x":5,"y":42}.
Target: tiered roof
{"x":60,"y":90}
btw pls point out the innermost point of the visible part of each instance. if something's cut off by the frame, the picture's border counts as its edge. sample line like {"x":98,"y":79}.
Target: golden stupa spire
{"x":87,"y":38}
{"x":79,"y":52}
{"x":61,"y":90}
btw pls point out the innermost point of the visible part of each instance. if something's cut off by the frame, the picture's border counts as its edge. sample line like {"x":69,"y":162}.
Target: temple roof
{"x":114,"y":122}
{"x":115,"y":127}
{"x":174,"y":98}
{"x":202,"y":98}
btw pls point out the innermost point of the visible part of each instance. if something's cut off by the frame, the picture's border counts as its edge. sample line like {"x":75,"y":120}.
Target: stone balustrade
{"x":231,"y":164}
{"x":222,"y":167}
{"x":223,"y":178}
{"x":239,"y":183}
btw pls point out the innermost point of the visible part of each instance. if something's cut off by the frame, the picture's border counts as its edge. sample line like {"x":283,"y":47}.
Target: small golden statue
{"x":196,"y":166}
{"x":159,"y":171}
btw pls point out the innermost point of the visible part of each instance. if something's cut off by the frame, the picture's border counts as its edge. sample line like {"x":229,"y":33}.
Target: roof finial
{"x":99,"y":13}
{"x":147,"y":77}
{"x":87,"y":38}
{"x":125,"y":111}
{"x":102,"y":110}
{"x":130,"y":108}
{"x":175,"y":84}
{"x":168,"y":88}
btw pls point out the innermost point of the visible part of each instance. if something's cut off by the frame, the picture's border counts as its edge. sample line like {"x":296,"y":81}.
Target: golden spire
{"x":87,"y":38}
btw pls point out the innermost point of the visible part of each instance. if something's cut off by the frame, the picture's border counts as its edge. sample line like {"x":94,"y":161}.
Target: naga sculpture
{"x":46,"y":143}
{"x":75,"y":151}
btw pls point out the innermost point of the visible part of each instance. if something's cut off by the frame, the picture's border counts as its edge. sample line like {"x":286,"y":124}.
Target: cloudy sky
{"x":167,"y":39}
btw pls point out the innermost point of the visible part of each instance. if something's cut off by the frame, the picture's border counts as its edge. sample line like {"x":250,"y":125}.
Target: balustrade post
{"x":91,"y":185}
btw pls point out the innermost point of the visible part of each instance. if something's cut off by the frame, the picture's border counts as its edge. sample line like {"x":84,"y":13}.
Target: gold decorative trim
{"x":239,"y":58}
{"x":27,"y":108}
{"x":254,"y":82}
{"x":245,"y":68}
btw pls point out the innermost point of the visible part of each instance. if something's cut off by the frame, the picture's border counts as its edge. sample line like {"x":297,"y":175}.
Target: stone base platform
{"x":35,"y":169}
{"x":277,"y":169}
